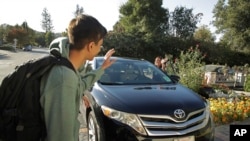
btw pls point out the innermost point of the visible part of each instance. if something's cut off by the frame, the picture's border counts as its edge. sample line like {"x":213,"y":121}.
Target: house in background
{"x":219,"y":74}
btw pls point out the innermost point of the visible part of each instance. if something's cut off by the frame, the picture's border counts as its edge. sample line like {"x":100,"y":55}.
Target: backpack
{"x":20,"y":111}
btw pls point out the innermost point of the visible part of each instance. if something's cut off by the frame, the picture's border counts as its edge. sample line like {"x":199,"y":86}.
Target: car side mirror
{"x":175,"y":78}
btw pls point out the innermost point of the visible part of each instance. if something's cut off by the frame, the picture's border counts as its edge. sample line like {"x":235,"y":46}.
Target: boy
{"x":62,"y":88}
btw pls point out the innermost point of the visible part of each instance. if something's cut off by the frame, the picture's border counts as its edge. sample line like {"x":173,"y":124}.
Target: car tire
{"x":95,"y":130}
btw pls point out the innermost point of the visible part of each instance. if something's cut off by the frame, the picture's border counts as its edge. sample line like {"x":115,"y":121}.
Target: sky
{"x":14,"y":12}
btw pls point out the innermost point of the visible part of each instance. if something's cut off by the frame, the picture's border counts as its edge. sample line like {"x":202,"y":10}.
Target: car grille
{"x":162,"y":125}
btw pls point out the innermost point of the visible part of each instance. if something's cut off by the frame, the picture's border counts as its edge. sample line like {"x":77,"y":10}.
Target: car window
{"x":133,"y":72}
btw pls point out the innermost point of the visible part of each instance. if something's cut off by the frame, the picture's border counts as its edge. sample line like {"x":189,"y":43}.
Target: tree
{"x":79,"y":10}
{"x":25,"y":26}
{"x":40,"y":39}
{"x":204,"y":34}
{"x":31,"y":33}
{"x":18,"y":33}
{"x":183,"y":22}
{"x":219,"y":15}
{"x":145,"y":17}
{"x":2,"y":34}
{"x":232,"y":20}
{"x":49,"y":36}
{"x":5,"y":29}
{"x":46,"y":21}
{"x":125,"y":44}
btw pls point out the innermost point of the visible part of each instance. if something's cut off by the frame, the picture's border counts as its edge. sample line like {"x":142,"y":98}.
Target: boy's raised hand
{"x":107,"y":62}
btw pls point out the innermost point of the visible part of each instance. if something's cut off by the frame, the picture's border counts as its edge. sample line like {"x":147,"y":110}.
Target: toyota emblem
{"x":179,"y":113}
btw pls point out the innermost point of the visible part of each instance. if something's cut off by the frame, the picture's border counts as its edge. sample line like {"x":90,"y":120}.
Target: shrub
{"x":221,"y":87}
{"x":247,"y":84}
{"x":7,"y":47}
{"x":189,"y":68}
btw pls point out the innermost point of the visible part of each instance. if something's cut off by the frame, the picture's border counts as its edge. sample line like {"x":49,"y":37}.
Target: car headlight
{"x":126,"y":118}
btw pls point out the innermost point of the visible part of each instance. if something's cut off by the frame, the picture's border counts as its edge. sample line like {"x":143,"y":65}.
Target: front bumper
{"x":116,"y":131}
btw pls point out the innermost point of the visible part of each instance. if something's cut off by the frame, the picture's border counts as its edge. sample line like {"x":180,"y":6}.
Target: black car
{"x":136,"y":101}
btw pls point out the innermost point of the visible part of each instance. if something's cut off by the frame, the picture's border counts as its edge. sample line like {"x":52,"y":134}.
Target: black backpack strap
{"x":62,"y":60}
{"x":55,"y":52}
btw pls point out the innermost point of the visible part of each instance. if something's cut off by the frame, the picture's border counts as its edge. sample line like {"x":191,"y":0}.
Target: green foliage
{"x":232,"y":19}
{"x":147,"y":17}
{"x":20,"y":34}
{"x":23,"y":33}
{"x":40,"y":39}
{"x":7,"y":47}
{"x":247,"y":84}
{"x":189,"y":67}
{"x":133,"y":45}
{"x":125,"y":44}
{"x":2,"y":29}
{"x":46,"y":21}
{"x":183,"y":22}
{"x":49,"y":36}
{"x":204,"y":34}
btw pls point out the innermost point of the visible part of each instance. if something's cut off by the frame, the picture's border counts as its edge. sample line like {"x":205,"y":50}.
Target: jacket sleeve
{"x":88,"y":79}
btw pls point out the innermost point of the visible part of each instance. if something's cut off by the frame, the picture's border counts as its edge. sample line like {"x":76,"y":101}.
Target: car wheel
{"x":95,"y":132}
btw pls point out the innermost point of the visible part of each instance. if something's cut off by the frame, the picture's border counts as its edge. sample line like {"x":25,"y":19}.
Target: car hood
{"x":150,"y":99}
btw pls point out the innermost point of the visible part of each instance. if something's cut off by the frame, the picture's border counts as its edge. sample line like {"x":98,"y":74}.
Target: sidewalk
{"x":222,"y":132}
{"x":243,"y":92}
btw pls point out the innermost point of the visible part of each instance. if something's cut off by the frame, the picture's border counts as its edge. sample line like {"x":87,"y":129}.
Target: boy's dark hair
{"x":84,"y":29}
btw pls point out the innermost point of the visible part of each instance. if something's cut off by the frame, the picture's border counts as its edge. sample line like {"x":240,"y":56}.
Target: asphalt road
{"x":9,"y":59}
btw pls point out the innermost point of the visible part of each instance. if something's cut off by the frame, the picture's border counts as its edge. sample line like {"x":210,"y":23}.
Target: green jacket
{"x":61,"y":92}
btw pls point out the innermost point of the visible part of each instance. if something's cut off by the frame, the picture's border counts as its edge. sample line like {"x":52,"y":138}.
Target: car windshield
{"x":132,"y":72}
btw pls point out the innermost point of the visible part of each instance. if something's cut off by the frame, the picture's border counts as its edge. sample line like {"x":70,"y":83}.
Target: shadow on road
{"x":38,"y":50}
{"x":4,"y":56}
